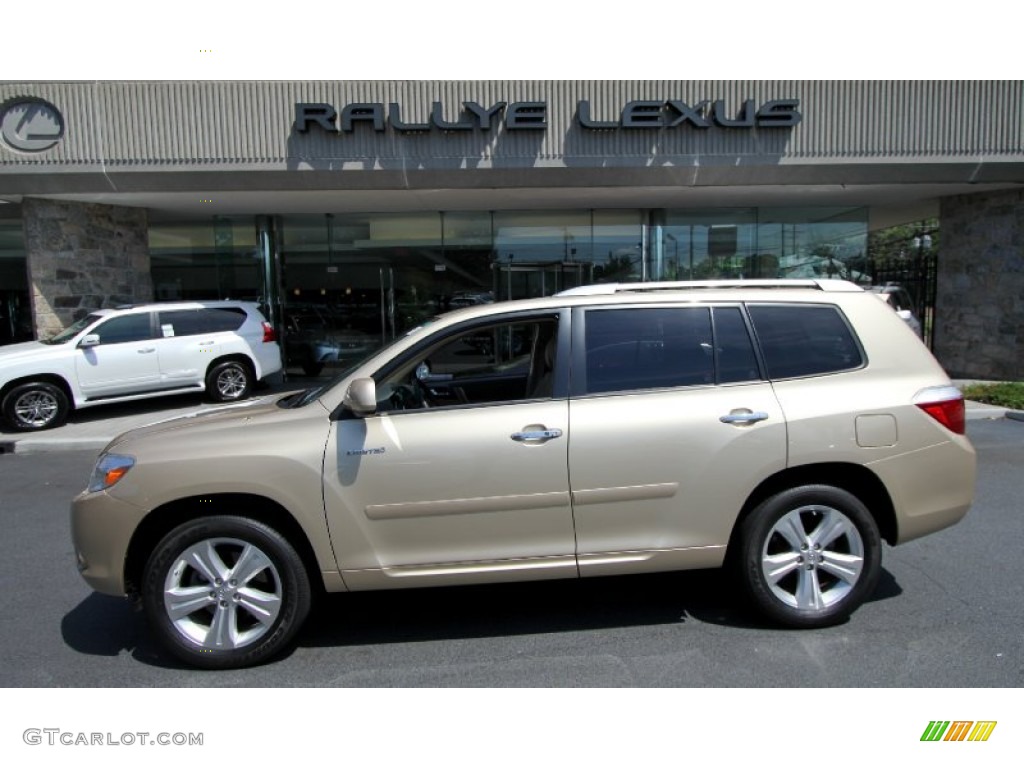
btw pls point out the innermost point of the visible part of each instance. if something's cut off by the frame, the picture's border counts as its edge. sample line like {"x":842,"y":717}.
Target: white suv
{"x":135,"y":352}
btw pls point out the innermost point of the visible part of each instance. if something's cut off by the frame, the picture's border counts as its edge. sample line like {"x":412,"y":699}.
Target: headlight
{"x":110,"y":468}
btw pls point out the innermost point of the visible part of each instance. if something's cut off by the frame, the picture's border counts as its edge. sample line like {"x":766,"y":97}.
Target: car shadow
{"x":102,"y":625}
{"x":107,"y":626}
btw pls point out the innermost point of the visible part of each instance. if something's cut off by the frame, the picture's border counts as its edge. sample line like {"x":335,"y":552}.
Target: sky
{"x":524,"y":39}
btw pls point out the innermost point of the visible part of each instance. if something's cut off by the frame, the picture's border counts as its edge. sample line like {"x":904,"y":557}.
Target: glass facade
{"x":211,"y":258}
{"x":357,"y":281}
{"x":15,"y":306}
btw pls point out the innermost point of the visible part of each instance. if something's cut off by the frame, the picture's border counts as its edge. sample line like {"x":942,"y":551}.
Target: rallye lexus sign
{"x":533,"y":116}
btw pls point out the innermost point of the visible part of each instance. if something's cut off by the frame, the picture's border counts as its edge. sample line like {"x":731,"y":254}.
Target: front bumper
{"x":101,"y":530}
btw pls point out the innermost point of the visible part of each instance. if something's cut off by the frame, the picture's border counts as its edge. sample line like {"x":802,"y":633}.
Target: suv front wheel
{"x":229,"y":381}
{"x":225,"y":592}
{"x":809,"y":556}
{"x":35,"y":405}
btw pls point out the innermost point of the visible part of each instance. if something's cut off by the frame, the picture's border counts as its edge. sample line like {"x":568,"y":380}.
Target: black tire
{"x":229,"y":381}
{"x":35,"y":405}
{"x":809,"y":556}
{"x":251,"y":615}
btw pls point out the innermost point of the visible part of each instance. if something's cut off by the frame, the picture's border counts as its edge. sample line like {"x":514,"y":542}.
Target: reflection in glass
{"x":353,"y":282}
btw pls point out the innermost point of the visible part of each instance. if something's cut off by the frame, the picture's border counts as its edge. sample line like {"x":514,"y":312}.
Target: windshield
{"x":71,"y":331}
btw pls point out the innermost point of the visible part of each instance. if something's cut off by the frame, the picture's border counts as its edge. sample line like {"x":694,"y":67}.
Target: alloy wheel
{"x":812,"y":557}
{"x":223,"y":593}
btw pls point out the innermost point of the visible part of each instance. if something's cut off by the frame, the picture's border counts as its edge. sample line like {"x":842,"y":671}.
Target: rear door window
{"x":804,"y":340}
{"x":648,"y":348}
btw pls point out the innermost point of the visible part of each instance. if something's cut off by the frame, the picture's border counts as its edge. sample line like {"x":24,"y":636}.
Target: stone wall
{"x":83,"y":256}
{"x":979,"y":327}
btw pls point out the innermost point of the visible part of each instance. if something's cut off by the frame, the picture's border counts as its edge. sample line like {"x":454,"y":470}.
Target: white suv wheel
{"x":229,"y":381}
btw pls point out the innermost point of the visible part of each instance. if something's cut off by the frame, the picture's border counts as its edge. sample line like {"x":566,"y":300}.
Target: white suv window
{"x":119,"y":330}
{"x":191,"y":322}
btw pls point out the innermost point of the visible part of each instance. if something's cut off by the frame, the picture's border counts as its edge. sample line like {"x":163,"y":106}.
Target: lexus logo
{"x":30,"y":125}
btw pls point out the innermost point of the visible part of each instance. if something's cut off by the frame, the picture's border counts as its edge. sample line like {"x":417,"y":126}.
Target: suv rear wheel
{"x":225,"y":592}
{"x":809,"y":555}
{"x":229,"y":381}
{"x":35,"y":405}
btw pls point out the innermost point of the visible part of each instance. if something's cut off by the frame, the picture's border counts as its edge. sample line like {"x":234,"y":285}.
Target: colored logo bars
{"x":958,"y":730}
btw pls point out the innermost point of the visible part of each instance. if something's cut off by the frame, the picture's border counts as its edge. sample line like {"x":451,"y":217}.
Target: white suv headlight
{"x":110,"y":468}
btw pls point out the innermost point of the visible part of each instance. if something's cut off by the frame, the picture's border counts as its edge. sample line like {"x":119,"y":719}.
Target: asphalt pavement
{"x":946,"y":614}
{"x":93,"y":428}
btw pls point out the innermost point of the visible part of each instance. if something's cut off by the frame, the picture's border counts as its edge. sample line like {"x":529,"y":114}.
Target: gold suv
{"x":782,"y":429}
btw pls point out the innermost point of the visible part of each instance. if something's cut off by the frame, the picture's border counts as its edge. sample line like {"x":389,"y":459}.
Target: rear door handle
{"x":146,"y":351}
{"x":743,"y":416}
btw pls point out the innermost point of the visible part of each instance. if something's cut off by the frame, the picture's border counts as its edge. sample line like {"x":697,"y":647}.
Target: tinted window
{"x":190,"y":322}
{"x":734,"y":356}
{"x":119,"y":330}
{"x":648,"y":348}
{"x":497,"y":363}
{"x":804,"y":340}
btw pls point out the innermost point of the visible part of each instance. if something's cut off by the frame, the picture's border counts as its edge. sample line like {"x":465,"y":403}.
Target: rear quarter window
{"x":190,"y":322}
{"x":804,"y":340}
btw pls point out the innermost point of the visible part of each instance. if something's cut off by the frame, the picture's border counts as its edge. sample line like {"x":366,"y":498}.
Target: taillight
{"x":268,"y":332}
{"x":945,"y":405}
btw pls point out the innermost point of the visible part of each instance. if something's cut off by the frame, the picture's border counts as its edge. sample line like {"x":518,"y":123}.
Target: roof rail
{"x":607,"y":289}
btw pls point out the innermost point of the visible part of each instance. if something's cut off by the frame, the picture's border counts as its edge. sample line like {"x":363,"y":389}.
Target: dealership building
{"x":367,"y":206}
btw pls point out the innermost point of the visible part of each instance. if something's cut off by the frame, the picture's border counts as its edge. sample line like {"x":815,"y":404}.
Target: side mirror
{"x":91,"y":340}
{"x":361,"y":397}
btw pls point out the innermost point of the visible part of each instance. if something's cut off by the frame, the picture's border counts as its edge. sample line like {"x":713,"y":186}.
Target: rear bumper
{"x":931,"y":488}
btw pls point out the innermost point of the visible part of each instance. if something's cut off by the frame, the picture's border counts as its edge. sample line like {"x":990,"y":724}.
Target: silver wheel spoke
{"x":222,"y":632}
{"x":808,"y":591}
{"x":777,"y":567}
{"x":251,"y":563}
{"x":834,"y":525}
{"x":791,"y":528}
{"x":844,"y":567}
{"x":204,"y":558}
{"x":263,"y":606}
{"x":184,"y":601}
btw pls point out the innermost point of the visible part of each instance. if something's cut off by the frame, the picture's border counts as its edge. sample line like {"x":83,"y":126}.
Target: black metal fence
{"x":917,"y":272}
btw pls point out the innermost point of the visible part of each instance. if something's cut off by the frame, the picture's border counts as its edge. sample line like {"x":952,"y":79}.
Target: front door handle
{"x":743,"y":416}
{"x":536,"y":433}
{"x":147,"y":351}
